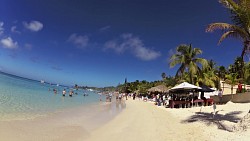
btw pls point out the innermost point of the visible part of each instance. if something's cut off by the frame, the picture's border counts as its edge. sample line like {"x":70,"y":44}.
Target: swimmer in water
{"x":64,"y":92}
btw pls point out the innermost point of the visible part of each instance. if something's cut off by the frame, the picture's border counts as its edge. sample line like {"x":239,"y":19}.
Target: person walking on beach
{"x":220,"y":96}
{"x":134,"y":96}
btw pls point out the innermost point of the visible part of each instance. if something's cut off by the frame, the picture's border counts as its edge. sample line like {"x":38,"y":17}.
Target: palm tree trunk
{"x":232,"y":91}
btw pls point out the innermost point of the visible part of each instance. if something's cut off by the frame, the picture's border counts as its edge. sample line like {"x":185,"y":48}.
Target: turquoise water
{"x":26,"y":99}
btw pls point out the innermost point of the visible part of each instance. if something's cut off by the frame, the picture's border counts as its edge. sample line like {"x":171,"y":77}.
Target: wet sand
{"x":68,"y":125}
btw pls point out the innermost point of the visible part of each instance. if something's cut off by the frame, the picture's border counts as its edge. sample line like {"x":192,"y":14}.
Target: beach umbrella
{"x":205,"y":88}
{"x":159,"y":88}
{"x":154,"y":89}
{"x":185,"y":86}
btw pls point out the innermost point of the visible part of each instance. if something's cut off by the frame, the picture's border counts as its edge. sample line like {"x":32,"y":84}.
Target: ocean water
{"x":22,"y":98}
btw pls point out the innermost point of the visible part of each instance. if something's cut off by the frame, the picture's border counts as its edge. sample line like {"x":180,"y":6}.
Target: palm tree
{"x":232,"y":80}
{"x":222,"y":72}
{"x":239,"y":66}
{"x":208,"y":75}
{"x":186,"y":57}
{"x":240,"y":29}
{"x":163,"y":75}
{"x":246,"y":74}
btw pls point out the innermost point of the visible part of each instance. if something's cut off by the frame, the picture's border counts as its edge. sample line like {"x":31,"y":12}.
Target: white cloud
{"x":9,"y":43}
{"x":79,"y":41}
{"x":33,"y":26}
{"x":13,"y":29}
{"x":1,"y":28}
{"x":128,"y":42}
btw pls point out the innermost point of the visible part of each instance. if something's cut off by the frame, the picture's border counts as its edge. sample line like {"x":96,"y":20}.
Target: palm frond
{"x":232,"y":34}
{"x":230,"y":4}
{"x":222,"y":26}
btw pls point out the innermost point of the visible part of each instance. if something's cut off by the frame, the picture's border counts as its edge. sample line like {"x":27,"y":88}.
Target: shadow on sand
{"x":214,"y":119}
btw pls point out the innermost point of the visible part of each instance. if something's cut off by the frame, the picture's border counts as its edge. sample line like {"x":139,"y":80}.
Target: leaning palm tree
{"x":240,"y":29}
{"x":186,"y":57}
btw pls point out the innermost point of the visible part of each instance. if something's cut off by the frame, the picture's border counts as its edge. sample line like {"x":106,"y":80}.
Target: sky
{"x":102,"y":42}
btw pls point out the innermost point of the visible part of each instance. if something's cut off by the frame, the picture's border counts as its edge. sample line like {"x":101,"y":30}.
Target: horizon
{"x":100,"y":43}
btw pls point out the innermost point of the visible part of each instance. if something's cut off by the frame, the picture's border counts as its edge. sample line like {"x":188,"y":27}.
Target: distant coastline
{"x":19,"y":77}
{"x":29,"y":79}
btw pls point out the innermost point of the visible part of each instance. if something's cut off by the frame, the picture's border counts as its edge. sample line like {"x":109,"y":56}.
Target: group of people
{"x":64,"y":92}
{"x":71,"y":92}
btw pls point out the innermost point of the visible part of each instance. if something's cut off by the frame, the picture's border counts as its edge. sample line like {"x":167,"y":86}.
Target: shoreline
{"x":131,"y":120}
{"x":71,"y":124}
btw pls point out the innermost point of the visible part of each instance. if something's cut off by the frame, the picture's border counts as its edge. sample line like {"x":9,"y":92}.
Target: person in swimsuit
{"x":64,"y":92}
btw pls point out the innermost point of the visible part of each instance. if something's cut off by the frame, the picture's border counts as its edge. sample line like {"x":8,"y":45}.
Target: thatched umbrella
{"x":159,"y":88}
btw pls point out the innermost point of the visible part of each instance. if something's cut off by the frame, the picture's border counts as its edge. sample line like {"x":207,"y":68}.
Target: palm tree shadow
{"x":216,"y":119}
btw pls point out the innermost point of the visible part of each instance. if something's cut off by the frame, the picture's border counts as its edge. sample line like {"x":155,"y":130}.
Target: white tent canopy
{"x":185,"y":86}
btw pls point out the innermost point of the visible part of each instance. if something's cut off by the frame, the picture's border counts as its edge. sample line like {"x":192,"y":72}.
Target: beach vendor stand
{"x":183,"y":88}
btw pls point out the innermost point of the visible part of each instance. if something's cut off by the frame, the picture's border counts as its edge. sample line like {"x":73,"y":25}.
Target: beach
{"x":71,"y":124}
{"x":138,"y":121}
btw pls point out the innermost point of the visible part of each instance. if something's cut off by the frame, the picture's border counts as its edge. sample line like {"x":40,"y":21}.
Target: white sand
{"x":140,"y":121}
{"x":146,"y":122}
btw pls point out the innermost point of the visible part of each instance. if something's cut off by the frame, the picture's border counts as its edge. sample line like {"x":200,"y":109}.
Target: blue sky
{"x":100,"y":43}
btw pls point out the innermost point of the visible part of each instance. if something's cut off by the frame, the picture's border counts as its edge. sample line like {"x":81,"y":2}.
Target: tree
{"x":208,"y":75}
{"x":239,"y":67}
{"x":232,"y":80}
{"x":240,"y":29}
{"x":163,"y":75}
{"x":186,"y":57}
{"x":222,"y":72}
{"x":246,"y":79}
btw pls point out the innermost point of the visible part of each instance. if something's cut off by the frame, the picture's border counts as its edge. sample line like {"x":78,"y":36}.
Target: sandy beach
{"x":138,"y":121}
{"x":147,"y":122}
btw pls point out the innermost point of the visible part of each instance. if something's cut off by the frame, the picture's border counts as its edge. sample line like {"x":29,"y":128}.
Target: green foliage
{"x":232,"y":80}
{"x":240,"y":15}
{"x":186,"y":57}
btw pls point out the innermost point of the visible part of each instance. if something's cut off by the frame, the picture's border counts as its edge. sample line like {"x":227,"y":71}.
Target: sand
{"x":68,"y":125}
{"x":146,"y":121}
{"x":138,"y":121}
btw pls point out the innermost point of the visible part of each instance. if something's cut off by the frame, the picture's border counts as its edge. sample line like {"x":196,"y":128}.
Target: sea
{"x":22,"y":98}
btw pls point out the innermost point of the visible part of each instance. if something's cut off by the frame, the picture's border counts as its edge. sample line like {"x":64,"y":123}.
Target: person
{"x":64,"y":92}
{"x":100,"y":97}
{"x":220,"y":96}
{"x":55,"y":91}
{"x":134,"y":96}
{"x":70,"y":93}
{"x":214,"y":108}
{"x":239,"y":88}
